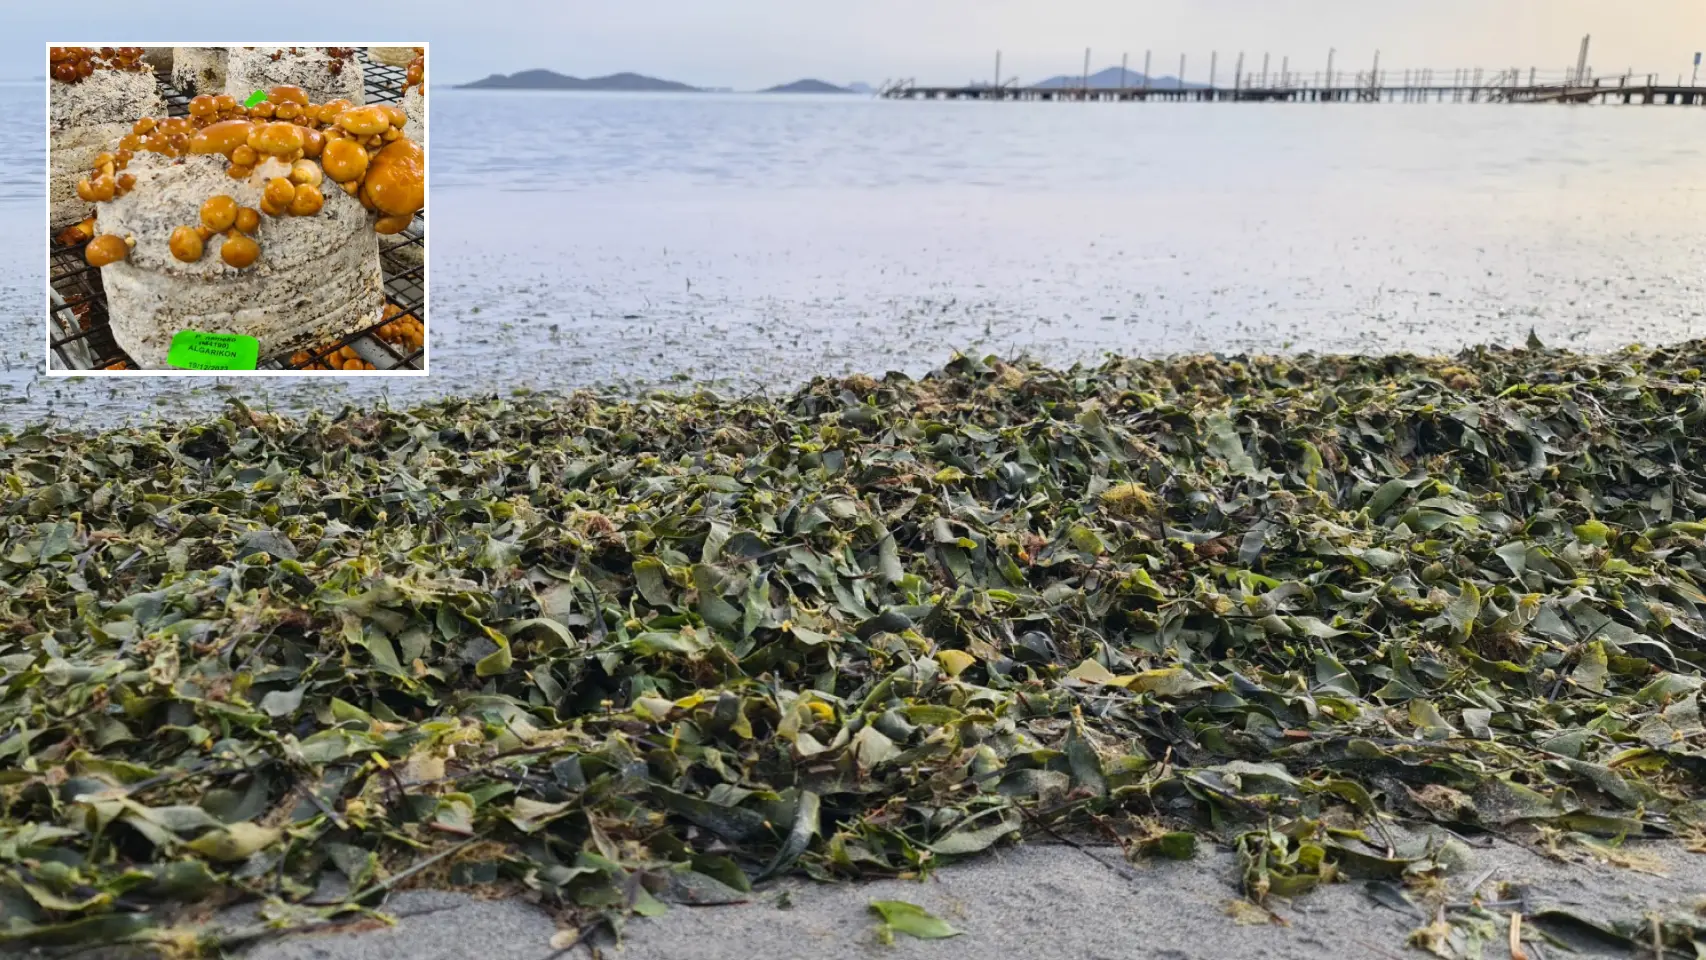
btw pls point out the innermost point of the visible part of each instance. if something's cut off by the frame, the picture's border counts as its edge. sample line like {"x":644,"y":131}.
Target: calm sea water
{"x":748,"y":240}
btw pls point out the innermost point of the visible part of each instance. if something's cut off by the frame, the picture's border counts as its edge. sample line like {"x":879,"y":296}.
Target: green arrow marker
{"x":255,"y":98}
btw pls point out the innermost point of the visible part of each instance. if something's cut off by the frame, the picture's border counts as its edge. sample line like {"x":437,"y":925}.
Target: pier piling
{"x":1575,"y":84}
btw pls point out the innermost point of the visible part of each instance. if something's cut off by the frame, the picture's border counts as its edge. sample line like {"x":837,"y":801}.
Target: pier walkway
{"x":1604,"y":90}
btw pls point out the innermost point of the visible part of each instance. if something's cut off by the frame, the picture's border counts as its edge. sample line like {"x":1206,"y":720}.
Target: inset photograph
{"x":237,"y":208}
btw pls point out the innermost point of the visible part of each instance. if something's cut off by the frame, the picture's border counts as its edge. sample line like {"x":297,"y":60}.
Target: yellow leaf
{"x":236,"y":842}
{"x":955,"y":662}
{"x":1168,"y":681}
{"x":1092,"y":672}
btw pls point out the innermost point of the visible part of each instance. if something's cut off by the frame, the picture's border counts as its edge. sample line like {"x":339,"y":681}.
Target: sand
{"x":1033,"y":901}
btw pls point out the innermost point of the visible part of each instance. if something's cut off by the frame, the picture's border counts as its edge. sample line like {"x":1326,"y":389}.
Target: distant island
{"x":1112,"y":79}
{"x":808,"y":86}
{"x":551,"y":80}
{"x":635,"y":83}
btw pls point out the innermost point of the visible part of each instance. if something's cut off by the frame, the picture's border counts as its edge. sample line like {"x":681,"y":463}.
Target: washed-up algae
{"x":625,"y":653}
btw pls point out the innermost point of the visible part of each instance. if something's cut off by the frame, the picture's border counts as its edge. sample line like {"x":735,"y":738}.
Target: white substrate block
{"x":317,"y":279}
{"x":414,"y":104}
{"x":197,"y":70}
{"x":392,"y":56}
{"x":309,"y":68}
{"x":86,"y":119}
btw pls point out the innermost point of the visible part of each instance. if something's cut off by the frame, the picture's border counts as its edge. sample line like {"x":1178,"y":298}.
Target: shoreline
{"x":1039,"y":902}
{"x":210,"y":397}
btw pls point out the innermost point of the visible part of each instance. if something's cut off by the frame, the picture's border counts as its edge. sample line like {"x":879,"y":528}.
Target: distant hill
{"x":860,"y":88}
{"x":551,"y":80}
{"x":1109,"y":79}
{"x":807,"y":86}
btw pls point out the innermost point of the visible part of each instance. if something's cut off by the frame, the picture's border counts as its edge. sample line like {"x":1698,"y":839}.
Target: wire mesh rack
{"x":79,"y":328}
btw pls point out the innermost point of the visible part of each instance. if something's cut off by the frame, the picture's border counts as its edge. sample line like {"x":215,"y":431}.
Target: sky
{"x":747,"y":44}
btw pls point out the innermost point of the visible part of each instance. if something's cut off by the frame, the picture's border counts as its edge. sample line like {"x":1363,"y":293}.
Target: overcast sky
{"x":752,"y":43}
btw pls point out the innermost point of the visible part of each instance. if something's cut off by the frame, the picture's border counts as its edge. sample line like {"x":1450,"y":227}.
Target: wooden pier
{"x":1616,"y":90}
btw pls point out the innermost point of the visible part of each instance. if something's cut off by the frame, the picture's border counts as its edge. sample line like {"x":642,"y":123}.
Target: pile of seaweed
{"x":627,"y":652}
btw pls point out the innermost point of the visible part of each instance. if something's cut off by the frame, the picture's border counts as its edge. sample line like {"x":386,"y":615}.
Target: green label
{"x":194,"y":350}
{"x":255,"y":98}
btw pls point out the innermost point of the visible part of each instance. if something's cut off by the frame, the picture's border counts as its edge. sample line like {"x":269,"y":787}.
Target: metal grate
{"x":81,"y":337}
{"x":403,"y":289}
{"x":177,"y":101}
{"x":79,"y":331}
{"x":384,"y":82}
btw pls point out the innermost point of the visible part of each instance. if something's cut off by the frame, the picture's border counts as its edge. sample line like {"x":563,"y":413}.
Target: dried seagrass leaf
{"x":605,"y":649}
{"x":912,"y":920}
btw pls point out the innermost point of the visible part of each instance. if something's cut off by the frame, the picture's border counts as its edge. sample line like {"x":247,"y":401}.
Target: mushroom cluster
{"x":360,"y":149}
{"x":220,"y":215}
{"x":339,"y":55}
{"x":71,"y":64}
{"x":77,"y":232}
{"x":416,"y":76}
{"x":343,"y":358}
{"x":402,"y":329}
{"x":105,"y":181}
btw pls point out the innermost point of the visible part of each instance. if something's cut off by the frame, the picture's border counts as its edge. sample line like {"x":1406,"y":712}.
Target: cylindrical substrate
{"x":317,"y":279}
{"x":414,"y":104}
{"x":197,"y":70}
{"x":321,"y":75}
{"x":86,"y":119}
{"x":392,"y":56}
